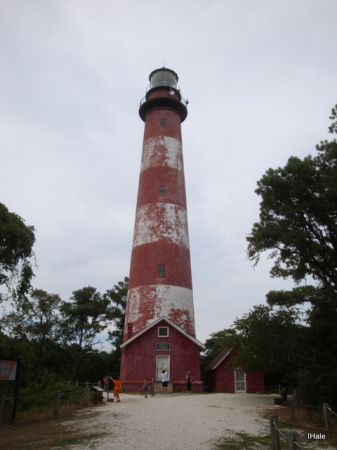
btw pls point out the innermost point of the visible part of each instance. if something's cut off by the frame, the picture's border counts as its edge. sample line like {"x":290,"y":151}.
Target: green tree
{"x":333,"y":126}
{"x":34,"y":327}
{"x":218,"y":342}
{"x":270,"y":340}
{"x":43,"y":326}
{"x":84,"y":318}
{"x":221,"y":340}
{"x":117,"y":298}
{"x":298,"y":227}
{"x":36,"y":320}
{"x":298,"y":222}
{"x":16,"y":249}
{"x":265,"y":339}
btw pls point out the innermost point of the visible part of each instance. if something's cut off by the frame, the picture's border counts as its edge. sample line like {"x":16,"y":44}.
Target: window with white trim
{"x":163,"y":331}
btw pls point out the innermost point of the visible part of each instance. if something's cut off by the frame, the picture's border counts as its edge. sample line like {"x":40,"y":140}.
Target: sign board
{"x":165,"y":346}
{"x":8,"y":368}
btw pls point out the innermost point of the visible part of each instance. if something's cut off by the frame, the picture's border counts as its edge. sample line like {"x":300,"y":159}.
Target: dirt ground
{"x":176,"y":421}
{"x":165,"y":422}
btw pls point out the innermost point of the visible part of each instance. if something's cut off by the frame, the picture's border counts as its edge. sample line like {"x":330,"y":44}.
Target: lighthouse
{"x":159,"y":332}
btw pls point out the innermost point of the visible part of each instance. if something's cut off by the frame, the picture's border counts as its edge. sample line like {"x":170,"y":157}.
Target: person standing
{"x":164,"y":380}
{"x":117,"y":388}
{"x":189,"y":381}
{"x":146,"y":387}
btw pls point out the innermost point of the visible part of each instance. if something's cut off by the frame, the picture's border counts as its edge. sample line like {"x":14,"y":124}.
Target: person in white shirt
{"x":164,"y":380}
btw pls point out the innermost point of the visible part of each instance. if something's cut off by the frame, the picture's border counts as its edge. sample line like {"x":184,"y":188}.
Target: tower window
{"x":161,"y":270}
{"x":162,"y":190}
{"x":163,"y":122}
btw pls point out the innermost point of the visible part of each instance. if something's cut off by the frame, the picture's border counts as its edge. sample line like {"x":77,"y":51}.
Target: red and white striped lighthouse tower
{"x":159,"y":323}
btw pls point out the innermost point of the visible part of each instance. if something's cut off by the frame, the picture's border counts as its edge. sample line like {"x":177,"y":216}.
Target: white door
{"x":162,"y":362}
{"x":240,"y":380}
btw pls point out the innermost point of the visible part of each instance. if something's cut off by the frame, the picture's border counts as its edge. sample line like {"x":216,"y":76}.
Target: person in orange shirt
{"x":117,"y":388}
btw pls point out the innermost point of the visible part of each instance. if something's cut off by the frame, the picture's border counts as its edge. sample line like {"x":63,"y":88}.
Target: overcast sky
{"x":260,"y":77}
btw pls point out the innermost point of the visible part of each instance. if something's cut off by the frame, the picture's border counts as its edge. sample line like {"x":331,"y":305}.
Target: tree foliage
{"x":117,"y":298}
{"x":51,"y":334}
{"x":218,"y":341}
{"x":265,"y":339}
{"x":84,"y":318}
{"x":298,"y":218}
{"x":16,"y":249}
{"x":62,"y":337}
{"x":298,"y":227}
{"x":333,"y":126}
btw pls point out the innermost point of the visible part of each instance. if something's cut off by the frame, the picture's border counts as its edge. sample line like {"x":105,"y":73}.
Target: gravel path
{"x":176,"y":421}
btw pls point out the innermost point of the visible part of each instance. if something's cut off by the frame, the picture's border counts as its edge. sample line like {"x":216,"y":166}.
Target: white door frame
{"x":162,"y":362}
{"x":240,"y":384}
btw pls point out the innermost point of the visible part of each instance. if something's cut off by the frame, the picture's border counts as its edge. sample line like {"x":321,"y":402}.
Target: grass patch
{"x":66,"y":442}
{"x":39,"y":432}
{"x":243,"y":441}
{"x":310,"y":418}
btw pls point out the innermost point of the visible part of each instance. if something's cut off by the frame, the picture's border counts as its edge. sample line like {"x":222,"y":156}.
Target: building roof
{"x":218,"y":360}
{"x":153,"y":324}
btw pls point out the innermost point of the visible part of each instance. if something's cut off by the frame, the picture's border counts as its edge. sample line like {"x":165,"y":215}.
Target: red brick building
{"x":222,"y":378}
{"x":160,"y":297}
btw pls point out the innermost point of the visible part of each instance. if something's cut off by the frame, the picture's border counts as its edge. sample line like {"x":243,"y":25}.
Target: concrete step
{"x":158,"y":388}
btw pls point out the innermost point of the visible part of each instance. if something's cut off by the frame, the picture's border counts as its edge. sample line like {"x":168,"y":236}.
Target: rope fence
{"x":292,"y":437}
{"x":331,"y":412}
{"x":306,"y":428}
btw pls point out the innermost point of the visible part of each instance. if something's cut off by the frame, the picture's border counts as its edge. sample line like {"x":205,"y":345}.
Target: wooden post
{"x":275,"y":437}
{"x":326,"y":417}
{"x":2,"y":405}
{"x":16,"y":390}
{"x":57,"y":404}
{"x":296,"y":439}
{"x":293,"y":437}
{"x":272,"y":431}
{"x":107,"y":389}
{"x":86,"y":393}
{"x":292,"y":409}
